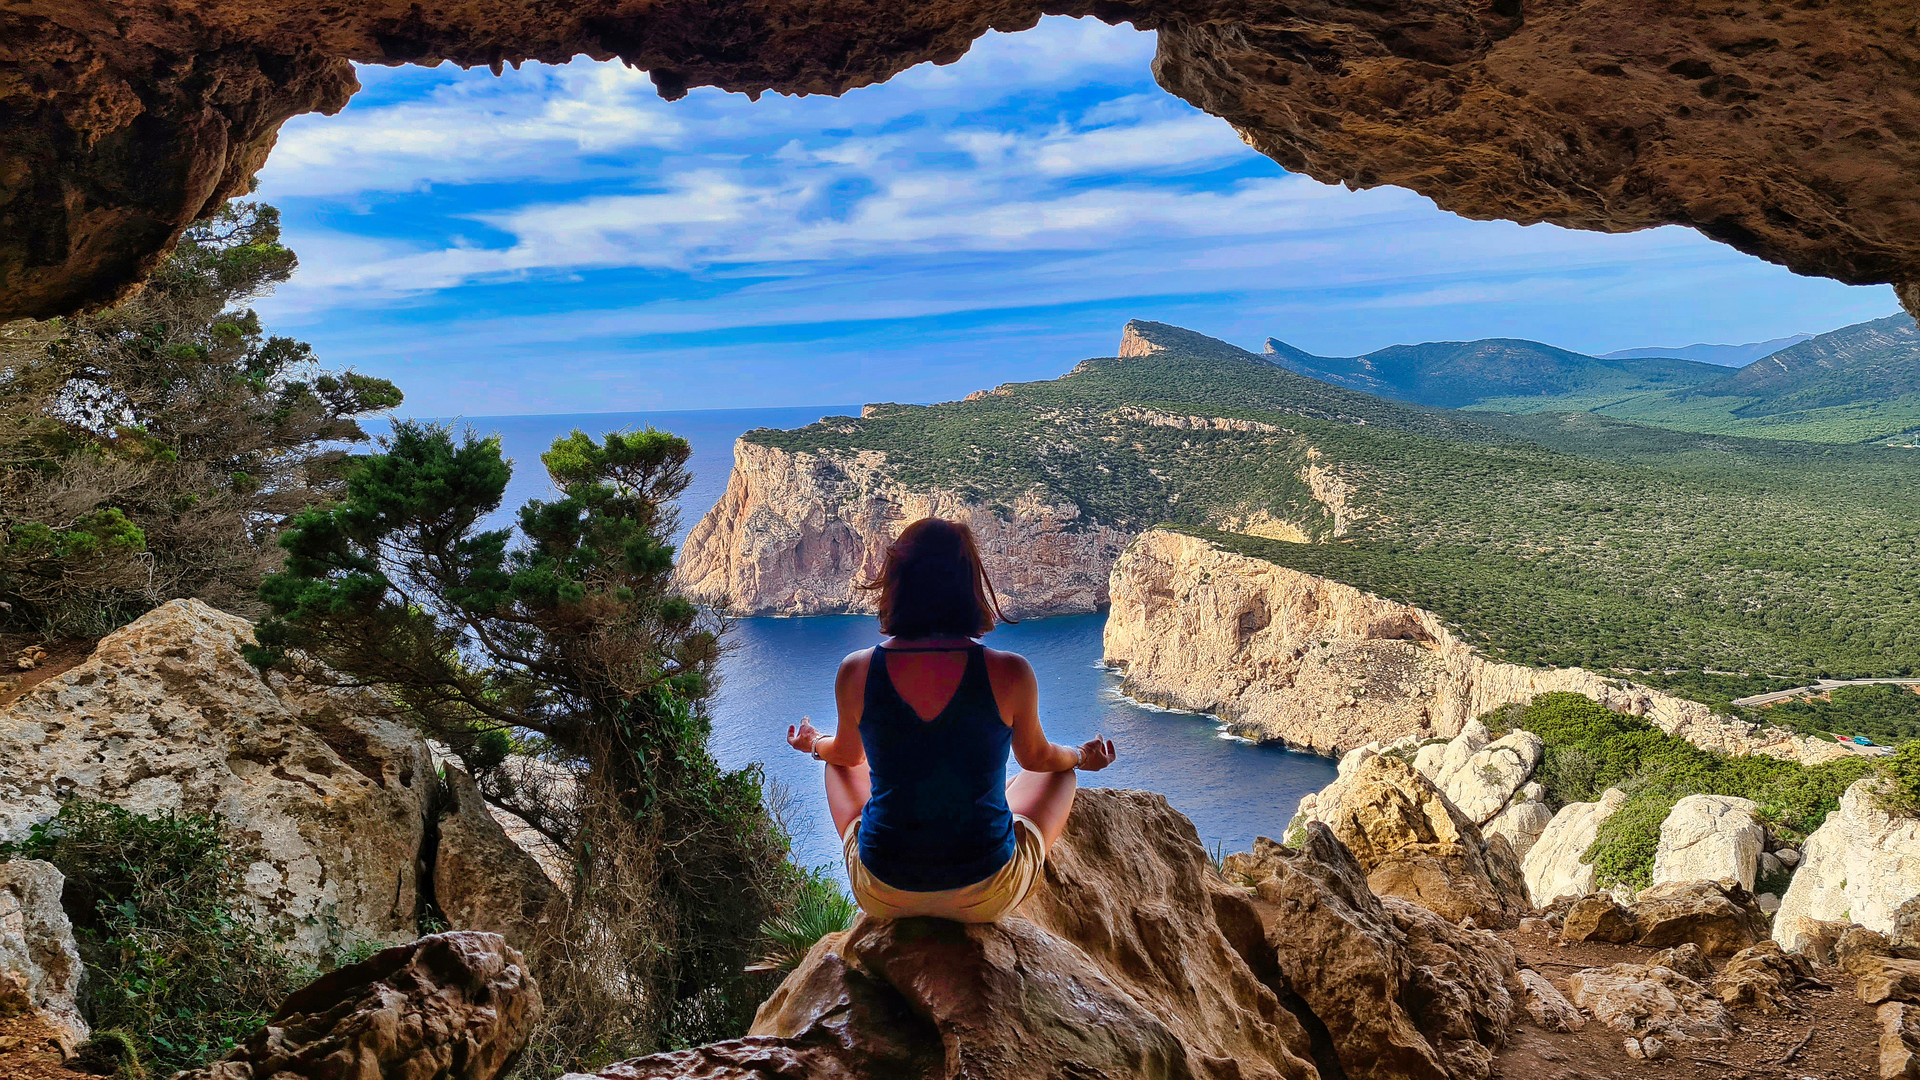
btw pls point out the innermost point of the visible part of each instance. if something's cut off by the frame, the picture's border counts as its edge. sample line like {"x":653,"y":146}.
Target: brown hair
{"x":934,"y":585}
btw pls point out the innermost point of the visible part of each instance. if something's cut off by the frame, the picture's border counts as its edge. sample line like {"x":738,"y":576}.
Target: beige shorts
{"x":981,"y":902}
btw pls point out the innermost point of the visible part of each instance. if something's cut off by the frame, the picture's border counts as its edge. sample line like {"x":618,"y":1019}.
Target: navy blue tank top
{"x":938,"y":817}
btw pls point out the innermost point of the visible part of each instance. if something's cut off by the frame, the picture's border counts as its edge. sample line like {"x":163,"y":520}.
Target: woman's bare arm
{"x":843,"y":747}
{"x":1018,"y":693}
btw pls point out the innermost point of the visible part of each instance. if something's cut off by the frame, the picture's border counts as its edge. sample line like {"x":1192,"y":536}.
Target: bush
{"x":1590,"y":748}
{"x":177,"y":973}
{"x":1901,"y":793}
{"x":818,"y":908}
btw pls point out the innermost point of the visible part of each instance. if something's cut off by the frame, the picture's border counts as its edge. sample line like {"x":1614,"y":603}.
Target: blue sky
{"x":560,"y":240}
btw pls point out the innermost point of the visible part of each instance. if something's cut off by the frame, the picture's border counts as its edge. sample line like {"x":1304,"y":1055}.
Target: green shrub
{"x":1901,"y":794}
{"x":1887,"y":714}
{"x":1590,"y":748}
{"x":818,"y":908}
{"x":176,"y":971}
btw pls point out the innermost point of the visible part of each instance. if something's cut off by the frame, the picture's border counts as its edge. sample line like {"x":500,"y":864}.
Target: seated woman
{"x":916,"y":771}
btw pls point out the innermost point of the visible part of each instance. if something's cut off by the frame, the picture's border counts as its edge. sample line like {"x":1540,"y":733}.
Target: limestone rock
{"x":482,"y":880}
{"x":1686,"y":959}
{"x":1414,"y":843}
{"x":1761,"y":977}
{"x":1555,"y":865}
{"x":1290,"y":657}
{"x":1893,"y":979}
{"x":1522,"y":823}
{"x":40,"y":970}
{"x":1858,"y":951}
{"x":794,"y":533}
{"x":1546,"y":1005}
{"x":166,"y":715}
{"x":1860,"y":865}
{"x":1599,"y":918}
{"x":1899,"y":1041}
{"x":1709,"y":837}
{"x":454,"y":1006}
{"x":1485,"y":781}
{"x":1720,"y":917}
{"x":1638,"y":1000}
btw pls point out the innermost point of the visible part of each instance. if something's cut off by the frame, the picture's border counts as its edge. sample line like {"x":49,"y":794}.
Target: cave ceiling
{"x":1789,"y":130}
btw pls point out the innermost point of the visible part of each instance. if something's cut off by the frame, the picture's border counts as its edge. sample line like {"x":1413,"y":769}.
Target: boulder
{"x":1546,"y":1005}
{"x":1890,"y":979}
{"x":1761,"y":977}
{"x":1710,"y":837}
{"x":1858,"y":950}
{"x":482,"y":880}
{"x":454,"y":1006}
{"x":1719,"y":916}
{"x":1686,"y":959}
{"x":1415,"y":844}
{"x":1135,"y":959}
{"x":1598,"y":918}
{"x":1556,"y":864}
{"x":1641,"y":1000}
{"x":329,"y":799}
{"x":40,"y":970}
{"x":1859,"y":866}
{"x":1899,"y":1041}
{"x":1483,"y":778}
{"x":1522,"y":824}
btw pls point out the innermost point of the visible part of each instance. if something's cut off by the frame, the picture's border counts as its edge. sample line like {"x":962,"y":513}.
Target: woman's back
{"x":938,"y":815}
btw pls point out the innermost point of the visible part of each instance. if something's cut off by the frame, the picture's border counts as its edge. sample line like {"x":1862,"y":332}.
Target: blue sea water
{"x":777,"y":670}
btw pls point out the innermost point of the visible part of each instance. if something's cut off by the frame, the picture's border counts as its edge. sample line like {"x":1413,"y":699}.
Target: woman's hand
{"x":803,"y":737}
{"x":1097,"y":753}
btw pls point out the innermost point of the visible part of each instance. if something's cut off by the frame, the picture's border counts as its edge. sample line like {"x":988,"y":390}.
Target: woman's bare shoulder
{"x":856,"y":661}
{"x":1007,"y":663}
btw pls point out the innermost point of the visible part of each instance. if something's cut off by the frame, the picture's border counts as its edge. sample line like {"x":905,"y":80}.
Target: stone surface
{"x":1555,"y":865}
{"x":1762,"y":977}
{"x":330,"y":801}
{"x":1720,"y":917}
{"x":794,"y":534}
{"x":1709,"y":837}
{"x":1414,"y":843}
{"x":1599,"y":918}
{"x":1899,"y":1041}
{"x":1860,"y":865}
{"x":1522,"y":824}
{"x":1285,"y":656}
{"x":1779,"y":130}
{"x":1640,"y":1000}
{"x":482,"y":880}
{"x":454,"y":1006}
{"x":1483,"y":780}
{"x":1858,"y":951}
{"x":1892,"y":979}
{"x":40,"y":970}
{"x":1546,"y":1005}
{"x":1686,"y":959}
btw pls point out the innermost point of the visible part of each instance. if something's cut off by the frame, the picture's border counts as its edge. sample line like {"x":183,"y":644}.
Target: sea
{"x":777,"y":670}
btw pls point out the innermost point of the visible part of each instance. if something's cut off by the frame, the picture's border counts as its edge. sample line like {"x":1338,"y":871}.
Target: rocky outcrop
{"x":1780,"y":131}
{"x":795,"y":533}
{"x":1134,"y":959}
{"x":1709,"y":837}
{"x":455,"y":1006}
{"x":1290,"y":657}
{"x":1415,"y":844}
{"x":1762,"y":977}
{"x":40,"y":971}
{"x":1640,"y":1000}
{"x":1557,"y":866}
{"x":1860,"y":865}
{"x":482,"y":880}
{"x":1720,"y":917}
{"x":1546,"y":1006}
{"x":1899,"y":1041}
{"x":329,"y":801}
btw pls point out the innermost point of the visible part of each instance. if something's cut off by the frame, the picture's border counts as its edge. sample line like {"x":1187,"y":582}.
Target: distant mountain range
{"x":1724,"y":355}
{"x":1856,"y":383}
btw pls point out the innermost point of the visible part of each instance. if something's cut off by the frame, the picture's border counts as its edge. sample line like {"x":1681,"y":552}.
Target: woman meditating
{"x":916,"y":770}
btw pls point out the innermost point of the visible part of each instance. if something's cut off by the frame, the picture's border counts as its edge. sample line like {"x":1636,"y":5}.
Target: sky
{"x":558,"y":239}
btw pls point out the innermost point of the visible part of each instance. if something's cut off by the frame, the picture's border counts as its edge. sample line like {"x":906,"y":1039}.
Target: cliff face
{"x":796,"y":532}
{"x":1289,"y":657}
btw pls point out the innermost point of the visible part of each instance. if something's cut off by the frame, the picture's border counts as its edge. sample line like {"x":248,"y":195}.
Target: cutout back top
{"x":938,"y":816}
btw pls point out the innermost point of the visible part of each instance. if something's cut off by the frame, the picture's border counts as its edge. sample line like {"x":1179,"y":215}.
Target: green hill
{"x":1459,"y":374}
{"x":1547,"y":539}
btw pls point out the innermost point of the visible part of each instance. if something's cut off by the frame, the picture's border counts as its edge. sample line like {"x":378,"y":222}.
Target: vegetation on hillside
{"x":152,"y":450}
{"x":557,"y":662}
{"x":177,"y":971}
{"x":1886,"y":714}
{"x":1667,"y":557}
{"x":1590,"y":748}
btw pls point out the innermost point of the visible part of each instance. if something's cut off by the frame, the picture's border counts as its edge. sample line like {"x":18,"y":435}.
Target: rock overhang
{"x":1784,"y":130}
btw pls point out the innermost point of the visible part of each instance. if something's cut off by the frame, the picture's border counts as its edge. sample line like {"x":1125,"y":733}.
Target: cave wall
{"x":1789,"y":130}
